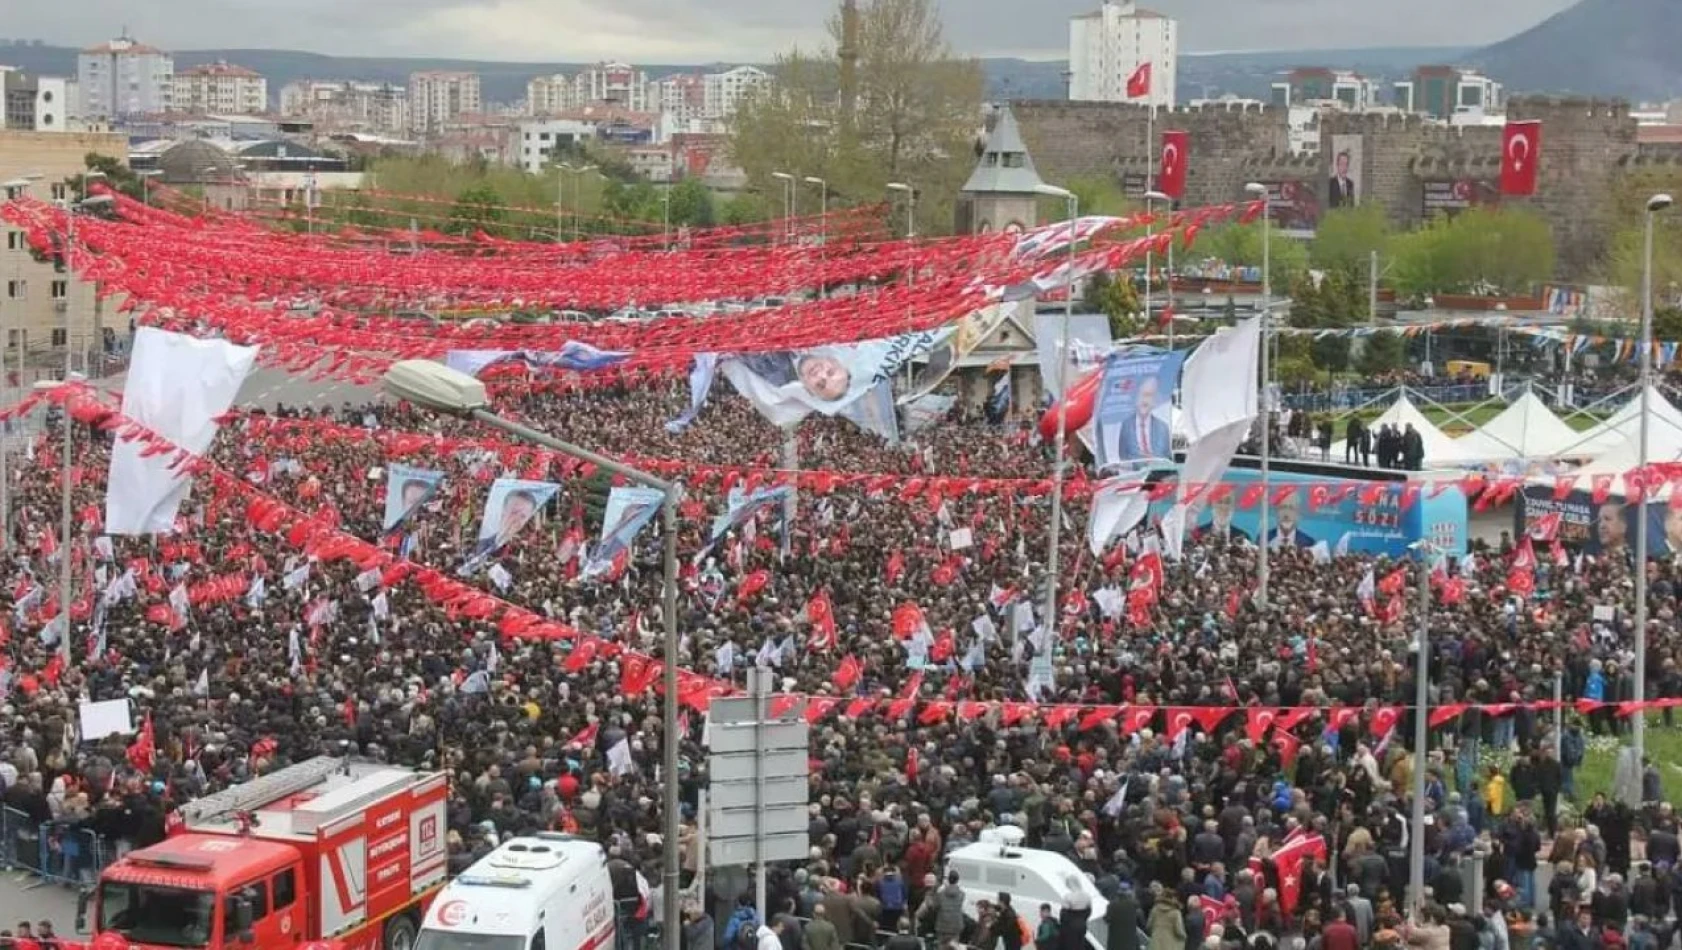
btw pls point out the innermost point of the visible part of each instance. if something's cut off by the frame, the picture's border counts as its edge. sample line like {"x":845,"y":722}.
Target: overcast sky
{"x":684,"y":31}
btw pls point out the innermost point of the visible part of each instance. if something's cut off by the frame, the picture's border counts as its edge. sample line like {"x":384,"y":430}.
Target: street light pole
{"x":1151,"y":198}
{"x":1059,"y":463}
{"x":1260,"y":190}
{"x":1638,"y":735}
{"x":823,"y":230}
{"x":788,"y":204}
{"x":1421,"y":736}
{"x":435,"y":386}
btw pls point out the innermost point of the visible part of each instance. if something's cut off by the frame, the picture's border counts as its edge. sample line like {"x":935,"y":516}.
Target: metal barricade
{"x":633,"y":932}
{"x":23,"y":841}
{"x":71,"y":856}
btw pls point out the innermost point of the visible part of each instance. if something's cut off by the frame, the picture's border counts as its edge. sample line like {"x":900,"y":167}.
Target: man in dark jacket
{"x":1008,"y":926}
{"x":1122,"y":919}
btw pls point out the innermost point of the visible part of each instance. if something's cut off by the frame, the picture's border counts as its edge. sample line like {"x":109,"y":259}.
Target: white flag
{"x":382,"y":606}
{"x":1113,"y":808}
{"x":296,"y":579}
{"x":500,"y":577}
{"x":368,"y":580}
{"x":1367,"y":591}
{"x":619,"y":760}
{"x":179,"y":600}
{"x":258,"y":592}
{"x":202,"y":687}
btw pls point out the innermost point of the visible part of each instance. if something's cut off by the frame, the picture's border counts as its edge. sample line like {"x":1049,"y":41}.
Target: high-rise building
{"x":682,"y":97}
{"x":1444,"y":92}
{"x":221,"y":88}
{"x":437,"y":98}
{"x":1107,"y":47}
{"x":551,"y":95}
{"x":1313,"y":85}
{"x":615,"y":84}
{"x":375,"y":106}
{"x":32,"y":103}
{"x":725,"y":91}
{"x":124,"y":78}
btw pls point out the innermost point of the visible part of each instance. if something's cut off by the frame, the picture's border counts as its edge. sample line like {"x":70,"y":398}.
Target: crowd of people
{"x":1177,"y":827}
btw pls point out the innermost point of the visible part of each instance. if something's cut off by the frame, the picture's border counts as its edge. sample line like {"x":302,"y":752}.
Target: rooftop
{"x":220,"y":68}
{"x":1005,"y":166}
{"x":125,"y":44}
{"x":1137,"y":12}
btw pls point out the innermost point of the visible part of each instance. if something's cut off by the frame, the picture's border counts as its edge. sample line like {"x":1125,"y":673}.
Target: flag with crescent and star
{"x":1521,"y":153}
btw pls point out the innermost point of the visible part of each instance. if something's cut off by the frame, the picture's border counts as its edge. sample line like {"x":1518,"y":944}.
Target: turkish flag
{"x":1176,"y":150}
{"x":1521,"y":153}
{"x":1139,"y":84}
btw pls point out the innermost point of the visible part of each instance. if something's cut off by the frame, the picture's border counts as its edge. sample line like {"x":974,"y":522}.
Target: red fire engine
{"x":326,"y":850}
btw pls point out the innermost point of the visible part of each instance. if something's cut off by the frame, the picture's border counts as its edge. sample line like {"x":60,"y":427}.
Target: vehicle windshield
{"x":166,"y":916}
{"x":430,"y":939}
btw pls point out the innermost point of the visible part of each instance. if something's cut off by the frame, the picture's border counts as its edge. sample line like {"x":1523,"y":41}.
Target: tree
{"x":1346,"y":238}
{"x":691,"y":204}
{"x":914,"y":119}
{"x":1381,"y":353}
{"x":1241,"y":245}
{"x":1484,"y":251}
{"x":1331,"y":352}
{"x":1117,"y":299}
{"x":743,"y":208}
{"x":117,"y":175}
{"x":1097,"y":194}
{"x":476,"y":209}
{"x":1625,"y":257}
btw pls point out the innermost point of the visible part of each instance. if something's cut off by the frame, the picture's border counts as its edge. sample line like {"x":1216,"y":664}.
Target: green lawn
{"x":1664,"y":746}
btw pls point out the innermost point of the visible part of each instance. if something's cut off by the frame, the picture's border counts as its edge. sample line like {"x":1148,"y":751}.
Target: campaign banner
{"x":1606,"y":529}
{"x":629,"y":510}
{"x":963,"y":338}
{"x":786,"y":386}
{"x":510,"y":506}
{"x":406,"y":489}
{"x":1133,"y":421}
{"x":573,"y":356}
{"x":1334,"y":516}
{"x":740,"y":508}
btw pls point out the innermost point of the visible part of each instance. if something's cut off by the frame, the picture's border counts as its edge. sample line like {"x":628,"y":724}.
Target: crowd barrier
{"x":54,"y":852}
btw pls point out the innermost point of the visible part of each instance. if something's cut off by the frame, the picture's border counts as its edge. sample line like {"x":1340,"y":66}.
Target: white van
{"x":1031,"y":877}
{"x":545,"y":892}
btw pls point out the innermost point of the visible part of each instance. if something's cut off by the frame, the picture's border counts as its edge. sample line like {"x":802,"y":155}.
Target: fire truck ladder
{"x":249,"y":796}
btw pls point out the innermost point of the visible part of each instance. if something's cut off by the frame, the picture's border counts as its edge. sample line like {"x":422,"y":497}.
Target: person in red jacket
{"x":1339,"y":934}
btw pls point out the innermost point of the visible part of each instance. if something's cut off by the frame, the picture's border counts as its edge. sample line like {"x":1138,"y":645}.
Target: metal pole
{"x":1559,"y":713}
{"x":560,"y":204}
{"x":1266,"y":410}
{"x":1062,"y":435}
{"x":823,"y":238}
{"x":1372,"y":288}
{"x":1169,"y":281}
{"x":666,"y":218}
{"x":1150,"y":259}
{"x":1421,"y":736}
{"x":64,"y":559}
{"x":791,"y":463}
{"x":671,"y":824}
{"x":1638,"y":735}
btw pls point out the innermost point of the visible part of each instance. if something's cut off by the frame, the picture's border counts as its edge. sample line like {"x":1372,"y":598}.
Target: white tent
{"x":1440,"y":450}
{"x":1527,"y":429}
{"x":1623,"y":427}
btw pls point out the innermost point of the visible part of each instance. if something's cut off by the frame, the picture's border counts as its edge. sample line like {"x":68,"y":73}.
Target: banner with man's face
{"x":573,"y":356}
{"x":406,"y":489}
{"x":629,"y":509}
{"x":511,"y":505}
{"x":1133,"y":421}
{"x":787,"y":386}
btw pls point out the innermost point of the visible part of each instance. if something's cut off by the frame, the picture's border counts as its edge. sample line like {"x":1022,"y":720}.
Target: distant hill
{"x":1244,"y":74}
{"x":1623,"y":48}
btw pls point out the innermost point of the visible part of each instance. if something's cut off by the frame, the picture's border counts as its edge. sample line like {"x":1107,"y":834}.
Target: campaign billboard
{"x":1133,"y":421}
{"x":1293,"y":205}
{"x":1344,"y":185}
{"x":1454,"y":196}
{"x":406,"y":489}
{"x":1335,"y":516}
{"x":1599,"y":529}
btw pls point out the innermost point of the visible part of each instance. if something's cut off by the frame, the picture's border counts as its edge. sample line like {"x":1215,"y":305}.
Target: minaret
{"x":848,"y":54}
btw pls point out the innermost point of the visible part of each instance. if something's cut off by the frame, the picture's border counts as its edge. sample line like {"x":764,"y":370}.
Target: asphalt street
{"x":26,"y":898}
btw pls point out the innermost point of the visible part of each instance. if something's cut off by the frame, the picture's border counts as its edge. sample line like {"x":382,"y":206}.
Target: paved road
{"x":26,"y":898}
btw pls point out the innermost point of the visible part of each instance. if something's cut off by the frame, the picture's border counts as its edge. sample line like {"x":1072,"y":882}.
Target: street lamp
{"x":788,"y":204}
{"x":1151,"y":198}
{"x":1638,"y":735}
{"x":1421,"y":734}
{"x":1052,"y":566}
{"x":146,"y":175}
{"x":823,"y":227}
{"x":1259,"y":190}
{"x":578,"y":172}
{"x":442,"y":389}
{"x":910,"y":207}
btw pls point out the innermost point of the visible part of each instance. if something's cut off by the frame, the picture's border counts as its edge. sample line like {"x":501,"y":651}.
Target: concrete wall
{"x":1587,"y":146}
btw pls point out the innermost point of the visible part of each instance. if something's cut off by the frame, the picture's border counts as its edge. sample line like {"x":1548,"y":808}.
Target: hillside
{"x":1624,"y":48}
{"x":1243,"y":74}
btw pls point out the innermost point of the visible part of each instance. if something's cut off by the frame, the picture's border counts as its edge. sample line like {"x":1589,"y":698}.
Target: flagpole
{"x":1059,"y":464}
{"x":1421,"y":735}
{"x":1150,"y":191}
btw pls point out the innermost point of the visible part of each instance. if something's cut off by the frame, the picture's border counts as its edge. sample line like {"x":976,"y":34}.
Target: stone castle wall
{"x":1588,"y":145}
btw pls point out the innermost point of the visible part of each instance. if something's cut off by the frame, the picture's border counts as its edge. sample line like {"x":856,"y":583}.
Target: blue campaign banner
{"x":406,"y":489}
{"x":1601,"y":529}
{"x":1135,"y":400}
{"x":1337,"y":517}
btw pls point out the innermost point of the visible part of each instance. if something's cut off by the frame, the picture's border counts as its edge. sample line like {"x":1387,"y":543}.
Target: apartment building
{"x":438,"y":98}
{"x":334,"y":104}
{"x":1107,"y":47}
{"x":221,"y":88}
{"x":124,"y":78}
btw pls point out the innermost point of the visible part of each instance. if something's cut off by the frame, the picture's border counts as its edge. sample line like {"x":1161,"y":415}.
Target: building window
{"x":59,"y":336}
{"x":14,"y":240}
{"x":17,"y":289}
{"x":60,"y":289}
{"x":15,"y":338}
{"x":60,"y":191}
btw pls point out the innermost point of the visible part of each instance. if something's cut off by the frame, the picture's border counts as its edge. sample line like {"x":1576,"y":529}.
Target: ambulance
{"x":543,"y":892}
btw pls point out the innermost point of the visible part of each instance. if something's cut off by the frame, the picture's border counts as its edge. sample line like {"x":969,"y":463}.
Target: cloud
{"x":698,"y":31}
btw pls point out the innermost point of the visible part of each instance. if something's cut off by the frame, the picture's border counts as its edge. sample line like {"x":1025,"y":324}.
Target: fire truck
{"x":331,"y":849}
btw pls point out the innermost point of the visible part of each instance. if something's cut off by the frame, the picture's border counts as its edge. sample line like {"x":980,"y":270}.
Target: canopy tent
{"x":1526,"y":429}
{"x":1440,"y":450}
{"x":1623,"y":426}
